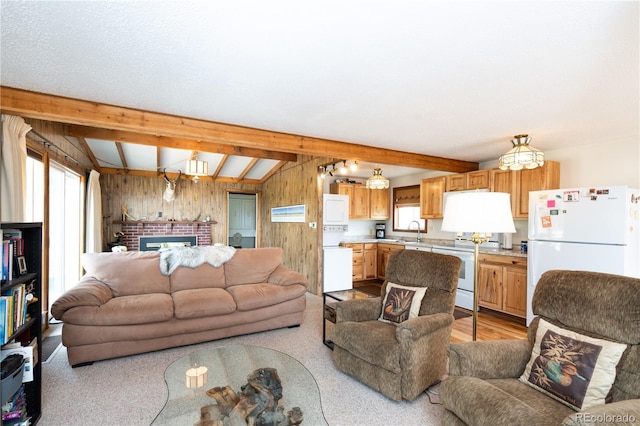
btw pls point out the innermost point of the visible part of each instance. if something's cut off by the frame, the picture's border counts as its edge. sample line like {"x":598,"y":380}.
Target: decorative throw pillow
{"x":575,"y":369}
{"x":401,"y":303}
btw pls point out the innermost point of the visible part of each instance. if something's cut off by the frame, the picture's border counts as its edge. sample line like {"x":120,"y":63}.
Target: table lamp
{"x":481,"y":213}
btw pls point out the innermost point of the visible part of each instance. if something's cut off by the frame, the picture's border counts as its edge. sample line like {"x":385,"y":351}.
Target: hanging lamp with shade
{"x":377,"y":181}
{"x":521,"y":156}
{"x":197,"y":168}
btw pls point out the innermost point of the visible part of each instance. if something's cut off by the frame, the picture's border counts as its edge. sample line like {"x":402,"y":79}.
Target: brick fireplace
{"x":134,"y":230}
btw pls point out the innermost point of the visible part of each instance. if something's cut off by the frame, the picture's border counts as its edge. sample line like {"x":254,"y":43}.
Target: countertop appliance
{"x":589,"y":229}
{"x":337,"y":261}
{"x":380,"y":230}
{"x":463,"y":249}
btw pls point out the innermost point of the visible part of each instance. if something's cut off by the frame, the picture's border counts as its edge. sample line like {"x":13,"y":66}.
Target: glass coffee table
{"x":329,"y":301}
{"x":231,"y":366}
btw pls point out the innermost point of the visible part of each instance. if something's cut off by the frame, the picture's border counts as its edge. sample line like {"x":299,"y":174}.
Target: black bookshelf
{"x":31,"y":330}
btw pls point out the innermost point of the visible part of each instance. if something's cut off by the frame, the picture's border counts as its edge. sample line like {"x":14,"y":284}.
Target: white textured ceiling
{"x":455,"y":79}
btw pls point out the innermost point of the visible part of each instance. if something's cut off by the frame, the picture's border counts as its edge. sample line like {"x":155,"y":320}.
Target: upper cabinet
{"x":431,"y":191}
{"x":517,"y":183}
{"x":527,"y":180}
{"x":379,"y":206}
{"x":520,"y":183}
{"x":364,"y":203}
{"x":478,"y":179}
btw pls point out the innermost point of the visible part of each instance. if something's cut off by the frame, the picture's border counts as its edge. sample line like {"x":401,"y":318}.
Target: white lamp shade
{"x":481,"y":212}
{"x":197,"y":168}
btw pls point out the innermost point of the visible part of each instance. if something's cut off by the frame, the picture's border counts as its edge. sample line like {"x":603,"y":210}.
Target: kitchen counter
{"x":431,"y":243}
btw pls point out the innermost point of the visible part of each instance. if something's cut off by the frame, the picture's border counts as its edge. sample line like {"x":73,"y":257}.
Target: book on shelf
{"x":13,"y":310}
{"x":11,"y":251}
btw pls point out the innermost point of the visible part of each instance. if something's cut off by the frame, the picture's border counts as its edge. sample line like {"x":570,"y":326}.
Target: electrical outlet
{"x":159,"y":214}
{"x":313,"y":225}
{"x":371,"y":232}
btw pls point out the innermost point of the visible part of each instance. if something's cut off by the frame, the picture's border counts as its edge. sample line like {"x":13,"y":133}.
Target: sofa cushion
{"x":204,"y":276}
{"x":254,"y":296}
{"x":202,"y":302}
{"x":252,"y":266}
{"x":575,"y":369}
{"x":127,"y":273}
{"x":401,"y":303}
{"x":124,"y":310}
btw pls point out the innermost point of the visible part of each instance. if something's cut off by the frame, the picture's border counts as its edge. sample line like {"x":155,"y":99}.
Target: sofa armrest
{"x":424,"y":325}
{"x":358,"y":310}
{"x":491,"y":359}
{"x":616,"y":413}
{"x":285,"y":276}
{"x":88,"y":292}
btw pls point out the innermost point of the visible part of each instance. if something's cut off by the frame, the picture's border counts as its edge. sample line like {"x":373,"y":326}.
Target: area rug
{"x":135,"y":384}
{"x":458,"y":314}
{"x":50,"y":346}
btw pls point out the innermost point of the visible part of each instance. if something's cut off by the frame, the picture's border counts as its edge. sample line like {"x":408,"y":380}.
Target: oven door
{"x":464,"y":295}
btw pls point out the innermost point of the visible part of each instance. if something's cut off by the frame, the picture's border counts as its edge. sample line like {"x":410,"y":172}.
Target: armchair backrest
{"x":438,"y":272}
{"x":600,"y":305}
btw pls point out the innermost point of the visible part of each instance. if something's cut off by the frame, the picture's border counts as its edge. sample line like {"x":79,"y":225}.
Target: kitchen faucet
{"x":411,"y":223}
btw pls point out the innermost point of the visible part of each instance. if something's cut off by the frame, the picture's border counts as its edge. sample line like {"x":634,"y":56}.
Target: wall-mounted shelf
{"x":162,"y":222}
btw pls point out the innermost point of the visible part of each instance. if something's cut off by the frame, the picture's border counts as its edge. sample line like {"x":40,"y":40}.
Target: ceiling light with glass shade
{"x":521,"y":156}
{"x":377,"y":181}
{"x":197,"y":168}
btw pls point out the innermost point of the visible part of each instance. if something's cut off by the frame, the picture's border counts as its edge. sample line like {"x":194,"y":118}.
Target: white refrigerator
{"x":589,"y":229}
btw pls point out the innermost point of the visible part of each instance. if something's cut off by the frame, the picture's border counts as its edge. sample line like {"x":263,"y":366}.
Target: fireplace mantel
{"x":162,"y":222}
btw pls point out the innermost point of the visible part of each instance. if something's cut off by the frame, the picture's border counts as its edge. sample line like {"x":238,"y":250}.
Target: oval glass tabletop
{"x":200,"y":395}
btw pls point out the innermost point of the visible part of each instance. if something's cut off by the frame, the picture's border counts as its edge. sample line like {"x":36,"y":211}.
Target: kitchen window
{"x":406,"y":209}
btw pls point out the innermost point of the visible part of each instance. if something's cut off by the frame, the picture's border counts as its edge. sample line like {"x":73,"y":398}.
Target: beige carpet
{"x":132,"y":391}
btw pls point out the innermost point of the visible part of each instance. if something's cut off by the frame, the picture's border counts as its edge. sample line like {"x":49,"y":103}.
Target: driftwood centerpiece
{"x":256,"y":404}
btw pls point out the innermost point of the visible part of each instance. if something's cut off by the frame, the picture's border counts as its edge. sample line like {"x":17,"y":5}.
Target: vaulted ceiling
{"x":447,"y":83}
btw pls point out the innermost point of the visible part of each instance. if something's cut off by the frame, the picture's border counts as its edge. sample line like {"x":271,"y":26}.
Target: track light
{"x":323,"y":173}
{"x":354,"y":166}
{"x":333,"y":171}
{"x":343,"y":169}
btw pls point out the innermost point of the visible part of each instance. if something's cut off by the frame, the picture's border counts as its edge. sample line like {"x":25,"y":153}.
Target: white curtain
{"x":13,"y":174}
{"x":93,"y":241}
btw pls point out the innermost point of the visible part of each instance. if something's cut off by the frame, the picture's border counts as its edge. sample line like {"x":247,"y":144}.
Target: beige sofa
{"x":124,"y":305}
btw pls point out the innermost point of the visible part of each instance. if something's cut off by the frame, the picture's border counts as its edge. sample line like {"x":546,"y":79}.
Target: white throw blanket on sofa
{"x":172,"y":257}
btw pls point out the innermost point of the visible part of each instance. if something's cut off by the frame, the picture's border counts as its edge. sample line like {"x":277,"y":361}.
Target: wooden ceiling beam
{"x":93,"y":114}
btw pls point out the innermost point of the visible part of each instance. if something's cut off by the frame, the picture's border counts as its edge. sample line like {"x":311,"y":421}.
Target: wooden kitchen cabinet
{"x":357,"y":266}
{"x":364,"y":260}
{"x":478,"y":179}
{"x":364,"y":203}
{"x":519,"y":183}
{"x":384,"y":251}
{"x":502,"y":283}
{"x":431,"y":191}
{"x":527,"y":180}
{"x":370,"y":261}
{"x":379,"y":205}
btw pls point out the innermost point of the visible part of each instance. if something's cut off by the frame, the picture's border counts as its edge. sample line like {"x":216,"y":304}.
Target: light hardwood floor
{"x":491,"y":326}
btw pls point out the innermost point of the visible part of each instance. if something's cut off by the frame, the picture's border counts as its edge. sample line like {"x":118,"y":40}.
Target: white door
{"x":242,"y":220}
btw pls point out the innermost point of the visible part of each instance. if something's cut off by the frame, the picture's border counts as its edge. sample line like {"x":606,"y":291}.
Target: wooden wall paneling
{"x":143,"y":198}
{"x":294,"y":184}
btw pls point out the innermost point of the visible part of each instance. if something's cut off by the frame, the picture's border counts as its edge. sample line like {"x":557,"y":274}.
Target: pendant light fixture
{"x":196,"y":168}
{"x":377,"y":181}
{"x":521,"y":156}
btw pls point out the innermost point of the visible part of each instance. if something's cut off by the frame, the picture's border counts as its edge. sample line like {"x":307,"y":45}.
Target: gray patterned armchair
{"x":400,"y":359}
{"x":564,"y":379}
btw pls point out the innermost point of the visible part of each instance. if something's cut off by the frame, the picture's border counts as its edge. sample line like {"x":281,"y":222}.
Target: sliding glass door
{"x":65,"y":231}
